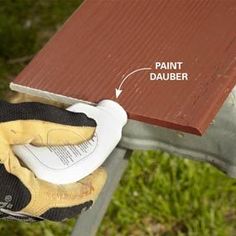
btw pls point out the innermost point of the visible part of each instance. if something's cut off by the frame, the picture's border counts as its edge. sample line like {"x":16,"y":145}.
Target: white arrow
{"x":118,"y":90}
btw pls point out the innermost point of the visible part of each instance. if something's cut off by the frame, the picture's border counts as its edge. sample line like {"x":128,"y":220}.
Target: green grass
{"x":160,"y":194}
{"x":25,"y":25}
{"x":163,"y":194}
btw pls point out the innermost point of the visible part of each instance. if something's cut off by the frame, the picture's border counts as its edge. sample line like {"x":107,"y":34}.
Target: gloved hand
{"x":22,"y":195}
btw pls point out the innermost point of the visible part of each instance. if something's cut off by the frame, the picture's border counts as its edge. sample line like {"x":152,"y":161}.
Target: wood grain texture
{"x":104,"y":40}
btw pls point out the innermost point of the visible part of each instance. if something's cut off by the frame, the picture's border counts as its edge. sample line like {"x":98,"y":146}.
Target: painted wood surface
{"x":105,"y":40}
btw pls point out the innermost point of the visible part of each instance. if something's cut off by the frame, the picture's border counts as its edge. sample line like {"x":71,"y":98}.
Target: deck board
{"x":105,"y":40}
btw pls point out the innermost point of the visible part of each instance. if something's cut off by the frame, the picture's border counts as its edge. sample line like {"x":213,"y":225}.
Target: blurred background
{"x":160,"y":194}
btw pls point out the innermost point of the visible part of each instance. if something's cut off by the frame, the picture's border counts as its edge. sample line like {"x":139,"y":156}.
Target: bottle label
{"x":56,"y":157}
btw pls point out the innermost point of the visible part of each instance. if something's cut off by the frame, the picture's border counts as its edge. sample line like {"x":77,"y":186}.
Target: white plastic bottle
{"x":68,"y":164}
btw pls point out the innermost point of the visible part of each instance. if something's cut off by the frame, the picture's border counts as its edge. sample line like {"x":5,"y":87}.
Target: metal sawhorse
{"x":216,"y":146}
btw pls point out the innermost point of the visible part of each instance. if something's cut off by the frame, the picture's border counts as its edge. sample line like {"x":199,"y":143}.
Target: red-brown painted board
{"x":104,"y":40}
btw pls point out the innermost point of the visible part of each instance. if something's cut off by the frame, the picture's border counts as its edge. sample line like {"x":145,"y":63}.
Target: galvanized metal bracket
{"x":217,"y":146}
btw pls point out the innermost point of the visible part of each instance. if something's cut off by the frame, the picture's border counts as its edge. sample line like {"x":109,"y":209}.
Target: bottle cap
{"x":115,"y":109}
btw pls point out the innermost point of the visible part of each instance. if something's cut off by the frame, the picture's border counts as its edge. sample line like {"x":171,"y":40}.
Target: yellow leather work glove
{"x":22,"y":195}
